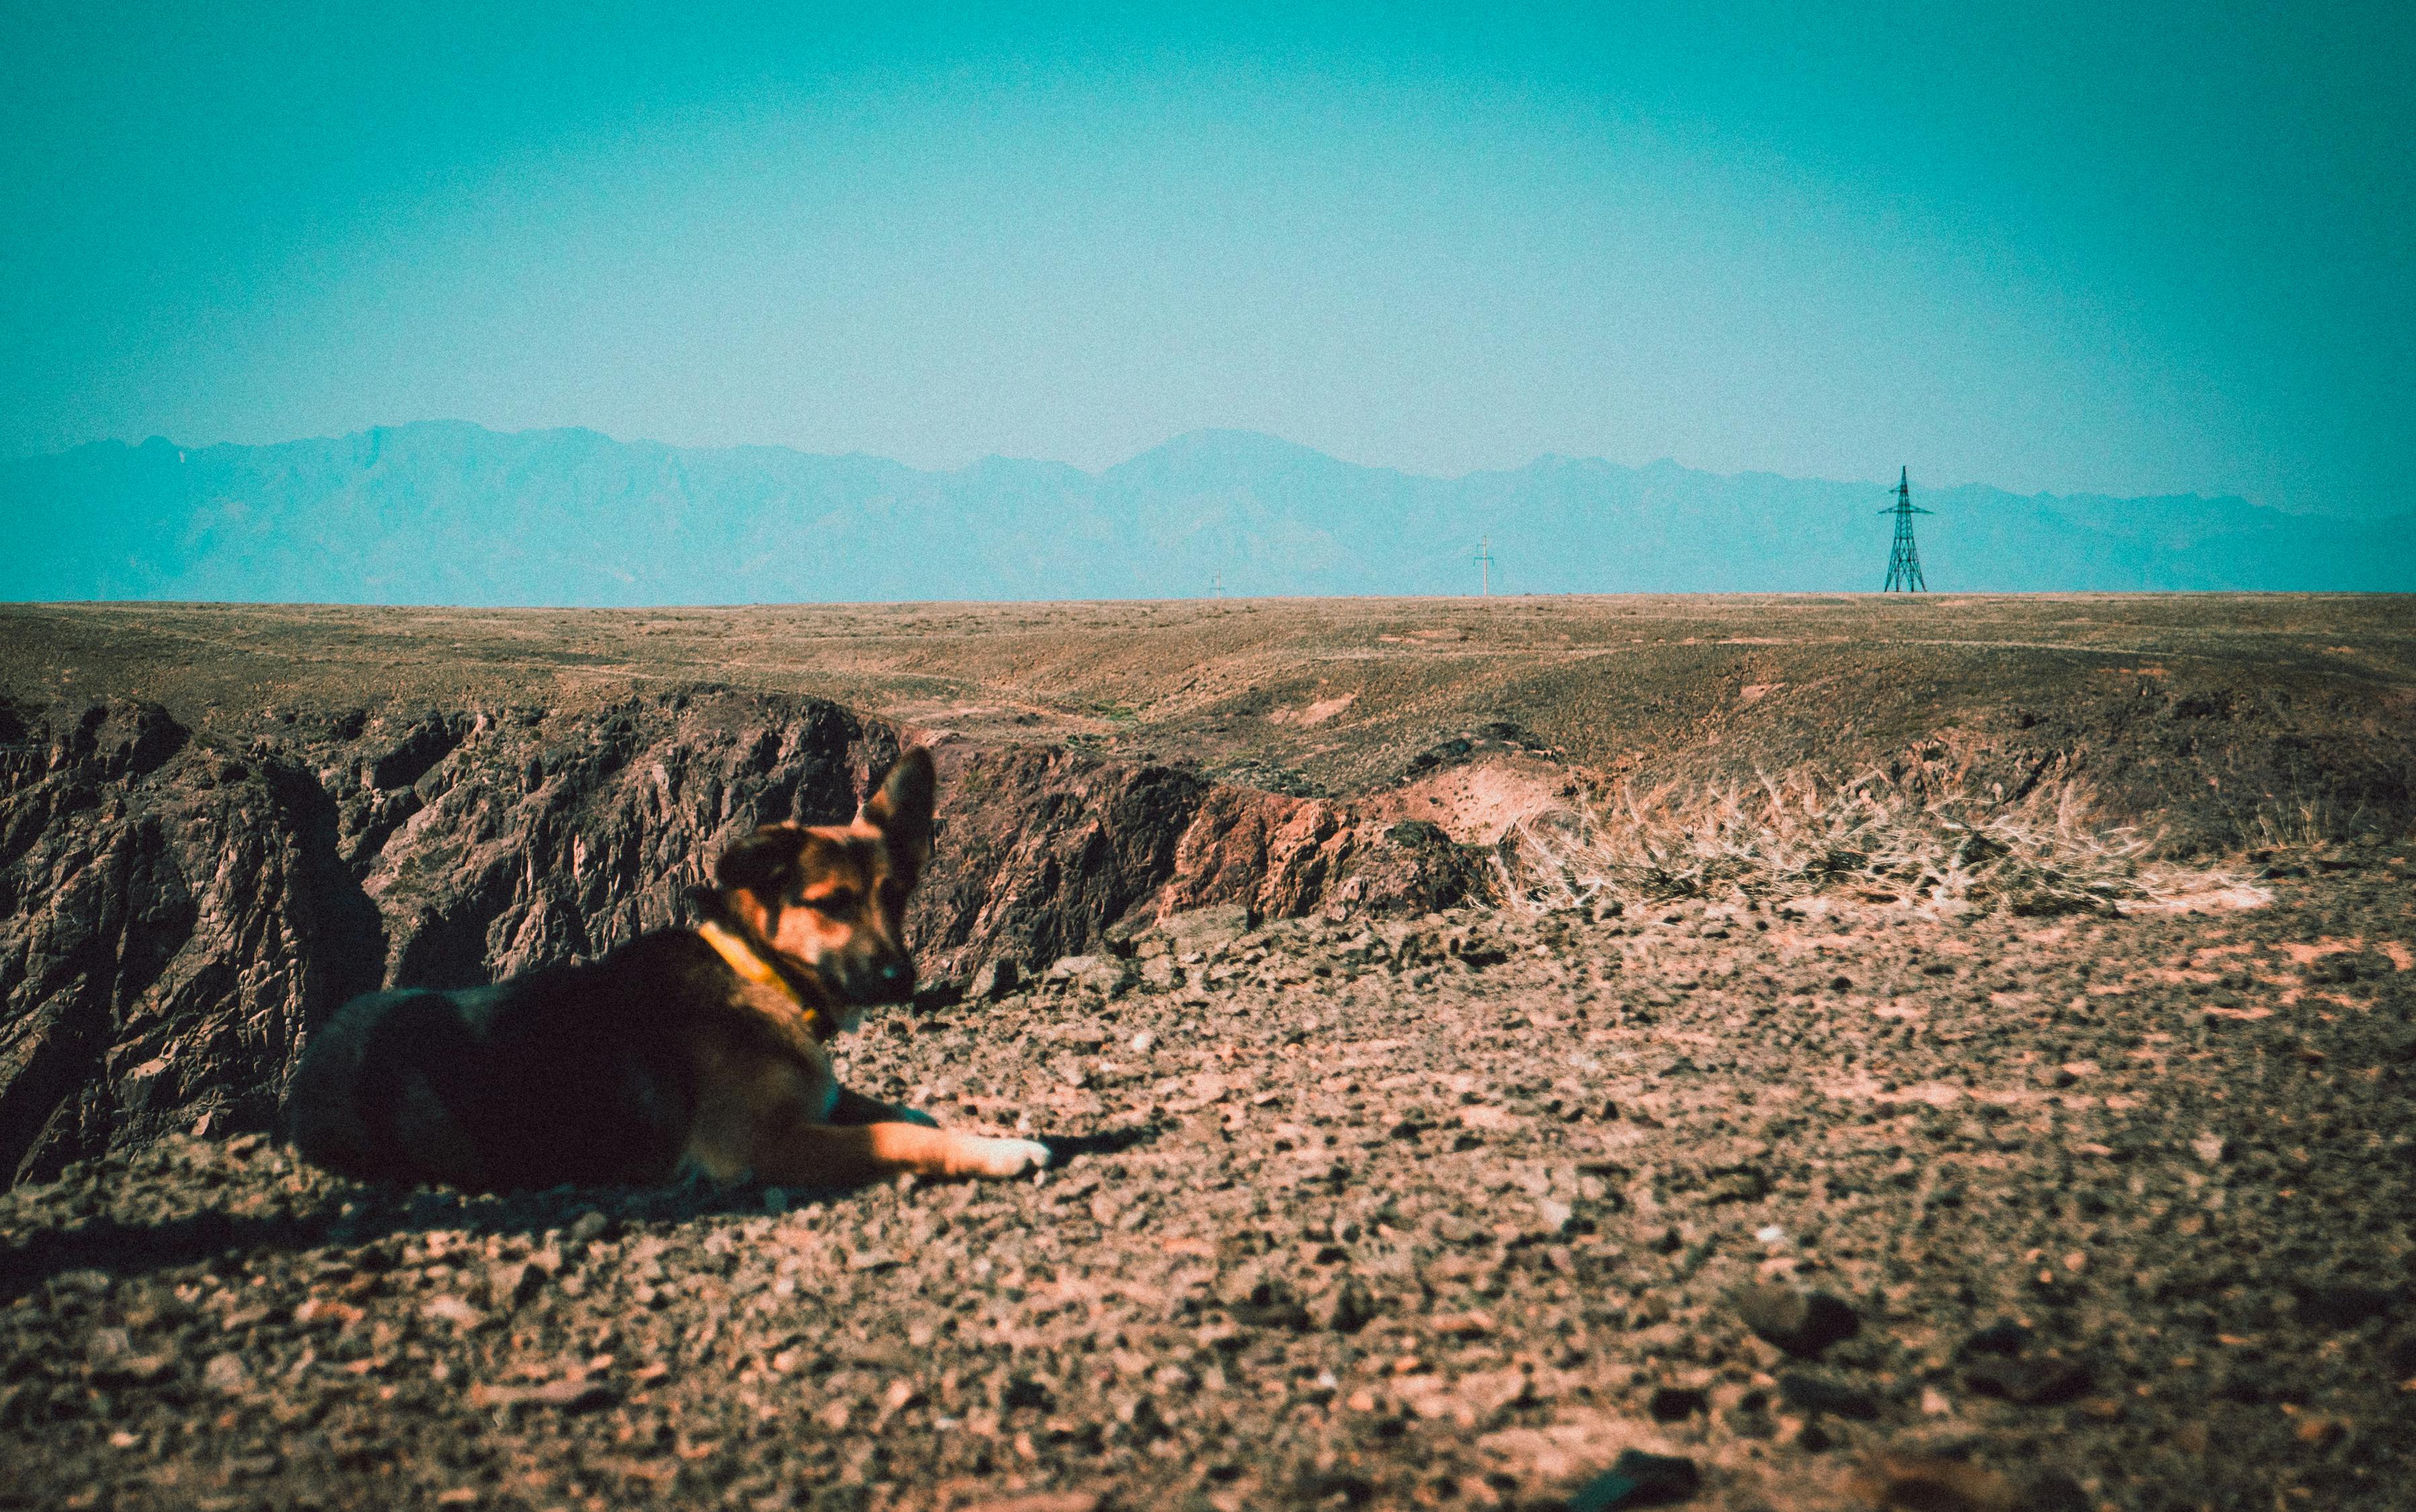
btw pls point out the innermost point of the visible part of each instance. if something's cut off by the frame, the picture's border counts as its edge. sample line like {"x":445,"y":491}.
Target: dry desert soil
{"x":1901,"y":1178}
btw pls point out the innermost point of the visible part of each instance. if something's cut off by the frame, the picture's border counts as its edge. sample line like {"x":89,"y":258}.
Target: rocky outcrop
{"x":1042,"y":850}
{"x":177,"y":911}
{"x":172,"y":917}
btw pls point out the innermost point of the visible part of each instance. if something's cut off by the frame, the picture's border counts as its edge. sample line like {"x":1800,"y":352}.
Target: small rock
{"x":2004,"y":1337}
{"x":513,"y":1282}
{"x":1490,"y":1394}
{"x":1203,"y":929}
{"x":454,"y":1311}
{"x":1554,"y":1215}
{"x":1453,"y":1229}
{"x":1278,"y":1308}
{"x":2209,"y":1147}
{"x":1812,"y":1394}
{"x":1040,"y":1501}
{"x":1933,"y":1483}
{"x":226,"y":1374}
{"x":2028,"y":1382}
{"x":112,"y":1361}
{"x":1144,"y":1043}
{"x":1343,"y":1309}
{"x":589,"y":1227}
{"x":2399,"y":1360}
{"x":2051,"y":1490}
{"x":322,"y":1312}
{"x":107,"y":1347}
{"x":1638,"y":1480}
{"x":571,"y":1395}
{"x":1141,"y":1415}
{"x":1803,"y":1324}
{"x":1670,"y":1404}
{"x":1023,"y":1391}
{"x":994,"y":979}
{"x":2337,"y":1308}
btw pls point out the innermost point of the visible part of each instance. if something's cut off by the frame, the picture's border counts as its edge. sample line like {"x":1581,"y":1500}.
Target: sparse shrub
{"x":1886,"y":839}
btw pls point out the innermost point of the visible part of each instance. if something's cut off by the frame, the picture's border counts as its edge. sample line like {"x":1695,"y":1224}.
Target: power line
{"x":1904,"y":562}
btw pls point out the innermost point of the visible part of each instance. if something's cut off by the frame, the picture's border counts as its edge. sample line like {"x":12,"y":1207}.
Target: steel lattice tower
{"x":1904,"y":562}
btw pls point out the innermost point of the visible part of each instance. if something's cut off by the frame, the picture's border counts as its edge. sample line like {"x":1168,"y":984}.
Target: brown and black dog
{"x":703,"y":1049}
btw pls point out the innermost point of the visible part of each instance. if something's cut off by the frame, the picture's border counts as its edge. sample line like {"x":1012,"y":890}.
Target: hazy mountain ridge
{"x":449,"y":512}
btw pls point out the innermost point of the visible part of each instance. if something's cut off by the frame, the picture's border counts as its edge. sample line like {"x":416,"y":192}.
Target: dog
{"x":702,"y":1049}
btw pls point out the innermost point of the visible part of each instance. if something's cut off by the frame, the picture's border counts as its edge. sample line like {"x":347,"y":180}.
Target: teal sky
{"x":2134,"y":249}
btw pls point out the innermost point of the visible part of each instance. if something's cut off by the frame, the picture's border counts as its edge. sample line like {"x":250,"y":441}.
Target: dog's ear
{"x":901,"y":809}
{"x":764,"y":863}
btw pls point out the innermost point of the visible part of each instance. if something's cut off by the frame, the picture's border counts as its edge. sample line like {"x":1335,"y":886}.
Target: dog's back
{"x":570,"y":1074}
{"x":702,"y":1047}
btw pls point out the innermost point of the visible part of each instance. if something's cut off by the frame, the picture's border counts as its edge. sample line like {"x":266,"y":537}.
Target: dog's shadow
{"x":353,"y":1215}
{"x":1064,"y":1147}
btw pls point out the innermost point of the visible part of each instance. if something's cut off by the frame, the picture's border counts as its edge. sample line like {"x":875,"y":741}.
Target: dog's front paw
{"x":1000,"y":1158}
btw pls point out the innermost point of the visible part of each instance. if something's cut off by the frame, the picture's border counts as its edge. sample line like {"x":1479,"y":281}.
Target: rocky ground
{"x":1841,"y":1202}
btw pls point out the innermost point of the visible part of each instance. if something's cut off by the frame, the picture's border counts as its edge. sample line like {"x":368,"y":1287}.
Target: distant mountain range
{"x":446,"y":512}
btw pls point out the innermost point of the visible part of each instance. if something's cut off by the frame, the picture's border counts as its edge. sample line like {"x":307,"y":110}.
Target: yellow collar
{"x":754,"y":968}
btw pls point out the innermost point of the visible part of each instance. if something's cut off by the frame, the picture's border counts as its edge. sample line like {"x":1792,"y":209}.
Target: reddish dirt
{"x":1446,"y":1210}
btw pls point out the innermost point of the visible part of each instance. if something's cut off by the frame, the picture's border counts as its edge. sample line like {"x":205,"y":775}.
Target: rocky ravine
{"x":1842,"y":1204}
{"x":178,"y":911}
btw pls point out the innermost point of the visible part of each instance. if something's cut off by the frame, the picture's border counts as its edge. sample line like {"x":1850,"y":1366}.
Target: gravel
{"x":1446,"y":1212}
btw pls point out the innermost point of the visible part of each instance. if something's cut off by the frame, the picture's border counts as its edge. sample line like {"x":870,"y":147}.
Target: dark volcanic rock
{"x":1800,"y":1323}
{"x":2004,"y":1337}
{"x":2028,"y":1382}
{"x":171,"y":919}
{"x":1636,"y":1479}
{"x":1813,"y":1394}
{"x":1671,"y":1404}
{"x":2340,"y":1307}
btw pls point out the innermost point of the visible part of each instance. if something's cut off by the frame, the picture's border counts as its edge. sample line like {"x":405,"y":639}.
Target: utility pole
{"x":1904,"y":562}
{"x":1484,"y":560}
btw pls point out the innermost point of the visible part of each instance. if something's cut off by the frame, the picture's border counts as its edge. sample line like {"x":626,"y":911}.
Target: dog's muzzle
{"x":891,"y":982}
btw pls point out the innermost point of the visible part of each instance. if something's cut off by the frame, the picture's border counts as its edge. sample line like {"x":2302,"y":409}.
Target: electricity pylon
{"x":1484,"y":560}
{"x":1904,"y":562}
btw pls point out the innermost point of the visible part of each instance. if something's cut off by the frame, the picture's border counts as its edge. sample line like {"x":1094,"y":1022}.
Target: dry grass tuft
{"x":1885,"y":839}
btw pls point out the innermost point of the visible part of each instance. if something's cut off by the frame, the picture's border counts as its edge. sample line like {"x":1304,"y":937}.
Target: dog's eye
{"x":831,"y":902}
